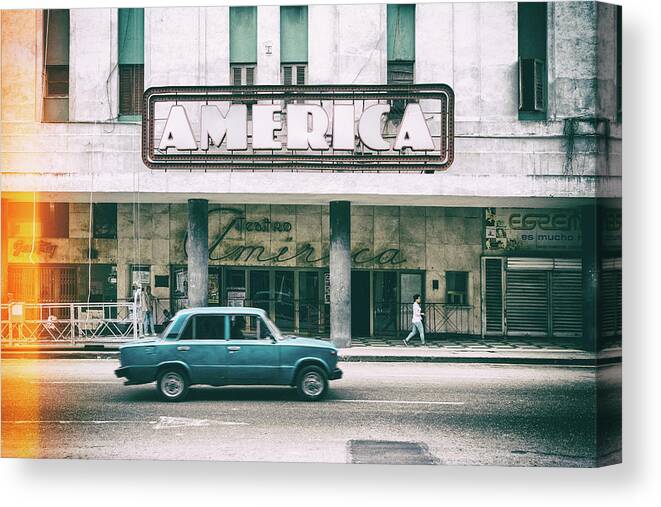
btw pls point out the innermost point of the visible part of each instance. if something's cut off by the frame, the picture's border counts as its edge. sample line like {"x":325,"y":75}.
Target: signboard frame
{"x":302,"y":159}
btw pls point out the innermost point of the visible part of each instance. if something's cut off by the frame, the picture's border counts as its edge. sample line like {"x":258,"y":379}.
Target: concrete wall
{"x":93,"y":65}
{"x":471,"y":46}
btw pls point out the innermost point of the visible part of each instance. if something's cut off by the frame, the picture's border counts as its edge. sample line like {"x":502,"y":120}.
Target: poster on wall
{"x":528,"y":229}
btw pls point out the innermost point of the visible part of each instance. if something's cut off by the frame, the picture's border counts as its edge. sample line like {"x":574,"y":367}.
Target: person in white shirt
{"x":416,"y":322}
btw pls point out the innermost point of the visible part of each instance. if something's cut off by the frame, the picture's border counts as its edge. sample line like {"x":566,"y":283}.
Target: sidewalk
{"x":460,"y":350}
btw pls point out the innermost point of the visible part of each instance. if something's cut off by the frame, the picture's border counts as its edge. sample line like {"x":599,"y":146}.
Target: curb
{"x":555,"y":360}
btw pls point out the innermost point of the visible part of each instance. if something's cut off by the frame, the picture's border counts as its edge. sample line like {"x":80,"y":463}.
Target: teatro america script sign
{"x":339,"y":127}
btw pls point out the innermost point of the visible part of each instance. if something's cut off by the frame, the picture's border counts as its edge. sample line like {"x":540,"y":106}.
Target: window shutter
{"x":236,"y":76}
{"x":56,"y":33}
{"x":250,"y":76}
{"x":531,"y":84}
{"x":493,"y":296}
{"x":300,"y":74}
{"x":286,"y":75}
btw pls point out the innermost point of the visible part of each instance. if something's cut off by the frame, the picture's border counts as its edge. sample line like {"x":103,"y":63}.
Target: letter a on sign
{"x":177,"y":133}
{"x":414,"y":132}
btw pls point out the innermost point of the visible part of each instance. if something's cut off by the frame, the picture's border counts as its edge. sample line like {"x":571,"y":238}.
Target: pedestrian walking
{"x":138,"y":309}
{"x":416,"y":322}
{"x":149,"y":301}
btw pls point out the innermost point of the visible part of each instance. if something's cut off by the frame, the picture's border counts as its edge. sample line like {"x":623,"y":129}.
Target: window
{"x":104,"y":220}
{"x":294,"y":44}
{"x":243,"y":44}
{"x":140,"y":275}
{"x":456,"y":287}
{"x":210,"y":327}
{"x":401,"y":50}
{"x":50,"y":219}
{"x":131,"y":62}
{"x":248,"y":327}
{"x":533,"y":79}
{"x":56,"y":65}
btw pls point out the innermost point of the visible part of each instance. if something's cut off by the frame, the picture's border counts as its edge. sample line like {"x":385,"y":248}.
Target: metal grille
{"x":493,"y":295}
{"x":567,"y":303}
{"x":437,"y":102}
{"x":131,"y":86}
{"x":527,"y":302}
{"x":610,"y":302}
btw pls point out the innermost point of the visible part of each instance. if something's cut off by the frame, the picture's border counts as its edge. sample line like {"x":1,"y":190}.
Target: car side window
{"x":187,"y":333}
{"x":248,"y":327}
{"x":238,"y":328}
{"x":210,"y":327}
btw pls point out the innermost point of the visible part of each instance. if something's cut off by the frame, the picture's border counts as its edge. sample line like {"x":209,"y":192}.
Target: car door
{"x":252,"y":356}
{"x":203,"y":348}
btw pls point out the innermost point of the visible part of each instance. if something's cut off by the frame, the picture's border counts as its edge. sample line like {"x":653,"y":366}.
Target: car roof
{"x":223,"y":310}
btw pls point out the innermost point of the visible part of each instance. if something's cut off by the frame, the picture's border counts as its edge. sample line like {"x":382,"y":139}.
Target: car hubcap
{"x":312,"y":384}
{"x":173,"y":384}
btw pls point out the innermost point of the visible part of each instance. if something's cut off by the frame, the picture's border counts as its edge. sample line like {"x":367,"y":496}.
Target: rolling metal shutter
{"x":493,"y":296}
{"x":527,"y":299}
{"x":567,"y":303}
{"x":610,"y":299}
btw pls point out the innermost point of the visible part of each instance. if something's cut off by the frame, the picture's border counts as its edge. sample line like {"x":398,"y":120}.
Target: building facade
{"x":520,"y":236}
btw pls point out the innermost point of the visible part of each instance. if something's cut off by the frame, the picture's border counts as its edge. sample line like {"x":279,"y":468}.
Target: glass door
{"x":283,"y":296}
{"x":385,"y":303}
{"x":308,"y":301}
{"x":410,"y":284}
{"x":260,"y":290}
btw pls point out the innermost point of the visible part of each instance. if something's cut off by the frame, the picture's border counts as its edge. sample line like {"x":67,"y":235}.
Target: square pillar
{"x":340,"y":273}
{"x":197,"y":248}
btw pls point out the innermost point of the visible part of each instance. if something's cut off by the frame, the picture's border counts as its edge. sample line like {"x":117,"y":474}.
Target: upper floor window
{"x":294,"y":44}
{"x":533,"y":78}
{"x":56,"y":65}
{"x":104,"y":220}
{"x":131,"y":62}
{"x":243,"y":45}
{"x":401,"y":50}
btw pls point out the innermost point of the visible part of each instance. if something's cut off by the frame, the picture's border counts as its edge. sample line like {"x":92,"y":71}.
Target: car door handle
{"x":233,"y":348}
{"x":183,"y":347}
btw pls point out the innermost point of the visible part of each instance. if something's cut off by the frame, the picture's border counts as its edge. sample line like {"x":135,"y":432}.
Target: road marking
{"x":403,"y":402}
{"x":163,"y":422}
{"x":76,"y":382}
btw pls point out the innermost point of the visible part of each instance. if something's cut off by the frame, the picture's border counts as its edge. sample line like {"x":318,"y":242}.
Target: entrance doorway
{"x":360,"y":303}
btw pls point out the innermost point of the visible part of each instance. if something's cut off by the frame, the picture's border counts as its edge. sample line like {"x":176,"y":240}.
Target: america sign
{"x":338,"y":127}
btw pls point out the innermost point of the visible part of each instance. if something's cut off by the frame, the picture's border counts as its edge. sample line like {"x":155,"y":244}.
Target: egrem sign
{"x":339,"y":127}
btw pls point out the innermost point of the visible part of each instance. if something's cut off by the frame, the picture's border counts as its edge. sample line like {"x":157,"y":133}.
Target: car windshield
{"x":275,"y":332}
{"x":172,"y":329}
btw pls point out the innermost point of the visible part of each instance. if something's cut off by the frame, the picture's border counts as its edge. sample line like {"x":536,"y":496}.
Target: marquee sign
{"x":338,"y":127}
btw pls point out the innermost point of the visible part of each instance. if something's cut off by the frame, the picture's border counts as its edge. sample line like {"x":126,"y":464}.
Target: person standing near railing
{"x":416,"y":322}
{"x":138,"y":299}
{"x":149,"y":302}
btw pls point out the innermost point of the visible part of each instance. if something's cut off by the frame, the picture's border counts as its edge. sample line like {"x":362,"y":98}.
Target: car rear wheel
{"x":172,"y":385}
{"x":312,"y":383}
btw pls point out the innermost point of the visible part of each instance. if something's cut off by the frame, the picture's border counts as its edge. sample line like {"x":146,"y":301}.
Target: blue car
{"x":228,"y":346}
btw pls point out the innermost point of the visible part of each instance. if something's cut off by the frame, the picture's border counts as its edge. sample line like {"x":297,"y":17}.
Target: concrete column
{"x":340,"y":273}
{"x":198,"y":252}
{"x":590,"y":275}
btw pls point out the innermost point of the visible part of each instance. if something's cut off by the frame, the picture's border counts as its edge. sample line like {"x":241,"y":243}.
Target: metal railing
{"x":22,"y":323}
{"x":441,"y":319}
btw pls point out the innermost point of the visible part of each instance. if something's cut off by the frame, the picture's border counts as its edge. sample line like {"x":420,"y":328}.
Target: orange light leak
{"x":22,"y":220}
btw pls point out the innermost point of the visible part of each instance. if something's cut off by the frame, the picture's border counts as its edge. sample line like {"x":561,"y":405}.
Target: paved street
{"x":380,"y":412}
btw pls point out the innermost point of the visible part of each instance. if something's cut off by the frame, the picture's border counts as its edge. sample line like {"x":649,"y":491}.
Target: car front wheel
{"x":172,"y":385}
{"x":312,"y":383}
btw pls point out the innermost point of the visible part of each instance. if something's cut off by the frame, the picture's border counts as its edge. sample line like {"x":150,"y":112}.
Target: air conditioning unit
{"x":531,"y":84}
